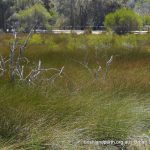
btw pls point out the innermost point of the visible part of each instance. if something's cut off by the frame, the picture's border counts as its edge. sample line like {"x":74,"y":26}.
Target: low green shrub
{"x":36,"y":39}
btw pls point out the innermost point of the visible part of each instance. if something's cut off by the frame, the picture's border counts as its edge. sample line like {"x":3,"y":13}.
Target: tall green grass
{"x":77,"y":108}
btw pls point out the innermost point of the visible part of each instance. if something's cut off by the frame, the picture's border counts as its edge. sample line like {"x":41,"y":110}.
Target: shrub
{"x":147,"y":20}
{"x":123,"y":21}
{"x":36,"y":39}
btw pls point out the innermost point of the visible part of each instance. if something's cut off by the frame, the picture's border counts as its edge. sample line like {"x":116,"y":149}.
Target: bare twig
{"x":85,"y":65}
{"x":11,"y":56}
{"x":23,"y":46}
{"x":107,"y":67}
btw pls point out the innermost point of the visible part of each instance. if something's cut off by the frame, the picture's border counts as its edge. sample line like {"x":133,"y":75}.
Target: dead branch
{"x":11,"y":56}
{"x":17,"y":70}
{"x":107,"y":67}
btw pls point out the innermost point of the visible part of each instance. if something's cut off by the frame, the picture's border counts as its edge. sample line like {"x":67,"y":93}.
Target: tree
{"x":47,"y":4}
{"x":142,"y":6}
{"x":123,"y":21}
{"x":63,"y":9}
{"x":83,"y":13}
{"x":102,"y":8}
{"x":86,"y":12}
{"x":29,"y":14}
{"x":5,"y":11}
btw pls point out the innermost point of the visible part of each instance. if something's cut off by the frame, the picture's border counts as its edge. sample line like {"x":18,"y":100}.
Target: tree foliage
{"x":36,"y":14}
{"x":76,"y":14}
{"x":123,"y":21}
{"x":86,"y":12}
{"x":147,"y":20}
{"x":26,"y":13}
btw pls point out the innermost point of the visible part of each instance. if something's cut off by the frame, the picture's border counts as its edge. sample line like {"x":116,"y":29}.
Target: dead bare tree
{"x":15,"y":67}
{"x":11,"y":56}
{"x":95,"y":72}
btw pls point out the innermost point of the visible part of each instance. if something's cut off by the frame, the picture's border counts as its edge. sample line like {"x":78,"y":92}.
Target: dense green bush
{"x":147,"y":20}
{"x":123,"y":21}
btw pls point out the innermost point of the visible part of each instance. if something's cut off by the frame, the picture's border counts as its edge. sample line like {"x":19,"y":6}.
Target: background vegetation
{"x":123,"y":21}
{"x":71,"y":14}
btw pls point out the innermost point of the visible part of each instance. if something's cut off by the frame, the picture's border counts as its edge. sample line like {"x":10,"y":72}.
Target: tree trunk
{"x":72,"y":14}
